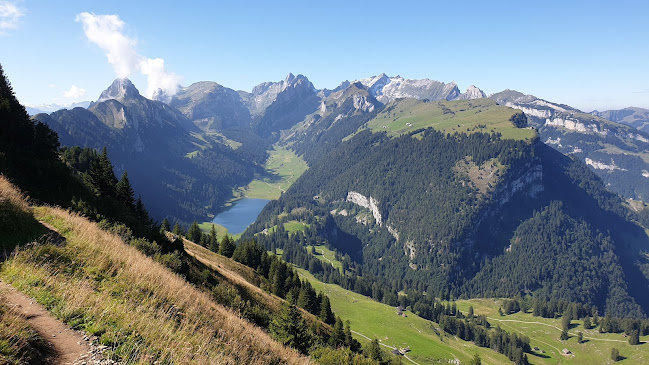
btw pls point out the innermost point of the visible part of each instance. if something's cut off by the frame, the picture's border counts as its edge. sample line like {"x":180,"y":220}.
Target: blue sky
{"x":588,"y":54}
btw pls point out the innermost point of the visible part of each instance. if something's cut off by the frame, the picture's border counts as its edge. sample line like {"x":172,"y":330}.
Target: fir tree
{"x":178,"y":231}
{"x":615,"y":354}
{"x":587,"y":324}
{"x":102,"y":176}
{"x":564,"y":335}
{"x":124,"y":191}
{"x":326,"y":315}
{"x":164,"y":227}
{"x":337,"y":338}
{"x":194,"y":233}
{"x":227,"y":247}
{"x":374,"y":352}
{"x":290,"y":329}
{"x":140,"y":211}
{"x":580,"y":337}
{"x":634,"y":337}
{"x":214,"y":242}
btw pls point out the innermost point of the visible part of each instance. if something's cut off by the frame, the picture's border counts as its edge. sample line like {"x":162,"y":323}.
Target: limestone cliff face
{"x":472,"y":92}
{"x":530,"y":180}
{"x":386,"y":89}
{"x":369,"y":203}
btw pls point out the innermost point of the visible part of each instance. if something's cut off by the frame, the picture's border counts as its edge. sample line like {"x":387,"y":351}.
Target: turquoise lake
{"x":241,"y":214}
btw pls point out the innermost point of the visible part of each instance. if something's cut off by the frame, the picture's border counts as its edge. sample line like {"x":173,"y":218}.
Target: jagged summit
{"x":472,"y":92}
{"x":120,"y":89}
{"x":385,"y":88}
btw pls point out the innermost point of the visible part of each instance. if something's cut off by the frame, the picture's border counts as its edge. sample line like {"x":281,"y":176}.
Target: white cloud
{"x":74,"y":92}
{"x":107,"y":31}
{"x":10,"y":15}
{"x":162,"y":83}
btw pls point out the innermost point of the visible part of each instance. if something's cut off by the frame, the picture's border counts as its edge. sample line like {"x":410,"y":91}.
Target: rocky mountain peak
{"x":290,"y":77}
{"x":472,"y":92}
{"x":298,"y":81}
{"x":120,"y":89}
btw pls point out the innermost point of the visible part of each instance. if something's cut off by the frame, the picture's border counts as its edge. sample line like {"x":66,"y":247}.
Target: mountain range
{"x":416,"y":195}
{"x":207,"y":118}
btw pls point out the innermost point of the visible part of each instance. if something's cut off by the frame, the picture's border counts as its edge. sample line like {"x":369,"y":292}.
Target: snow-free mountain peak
{"x":120,"y":89}
{"x":472,"y":92}
{"x":386,"y":89}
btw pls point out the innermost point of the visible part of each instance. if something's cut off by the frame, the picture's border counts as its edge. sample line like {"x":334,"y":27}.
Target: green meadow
{"x":283,"y":167}
{"x":371,"y":319}
{"x":466,"y":116}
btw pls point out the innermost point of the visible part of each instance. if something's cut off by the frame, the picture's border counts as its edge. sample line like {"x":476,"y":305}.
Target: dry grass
{"x":245,"y":278}
{"x":140,"y":309}
{"x":19,"y":342}
{"x":16,"y":221}
{"x":9,"y":194}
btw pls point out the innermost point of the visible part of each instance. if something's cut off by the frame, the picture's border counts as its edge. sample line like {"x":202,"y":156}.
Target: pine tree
{"x":205,"y":240}
{"x":140,"y":211}
{"x":634,"y":337}
{"x":350,"y":342}
{"x":214,"y":241}
{"x":289,"y":328}
{"x":564,"y":335}
{"x":164,"y":227}
{"x":194,"y":233}
{"x":102,"y":176}
{"x":326,"y":315}
{"x":124,"y":191}
{"x":580,"y":337}
{"x":303,"y":300}
{"x":178,"y":231}
{"x":587,"y":324}
{"x":227,"y":247}
{"x":615,"y":354}
{"x":374,"y":352}
{"x":337,"y":338}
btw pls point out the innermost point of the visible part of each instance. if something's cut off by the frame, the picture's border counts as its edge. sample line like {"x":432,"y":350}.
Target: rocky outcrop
{"x":472,"y":92}
{"x":120,"y":89}
{"x":576,"y":125}
{"x":362,"y":103}
{"x":369,"y":203}
{"x":603,"y":166}
{"x":211,"y":106}
{"x":386,"y":89}
{"x":531,"y":180}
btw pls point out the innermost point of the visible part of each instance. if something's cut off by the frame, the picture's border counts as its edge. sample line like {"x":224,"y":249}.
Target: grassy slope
{"x":545,"y":334}
{"x":326,"y":255}
{"x":283,"y":167}
{"x":207,"y":228}
{"x":97,"y":283}
{"x":466,"y":117}
{"x":18,"y":224}
{"x":239,"y":275}
{"x":374,"y":319}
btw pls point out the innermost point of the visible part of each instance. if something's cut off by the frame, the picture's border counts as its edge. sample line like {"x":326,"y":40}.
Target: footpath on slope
{"x":69,"y":346}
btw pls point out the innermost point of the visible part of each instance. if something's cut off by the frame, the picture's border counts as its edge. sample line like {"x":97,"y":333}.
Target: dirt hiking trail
{"x":68,"y":345}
